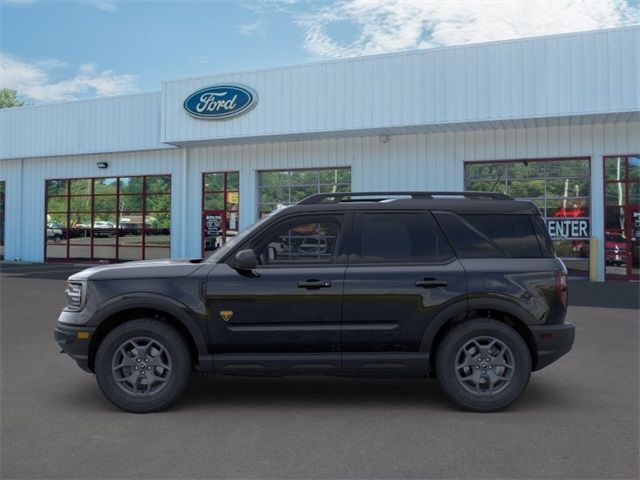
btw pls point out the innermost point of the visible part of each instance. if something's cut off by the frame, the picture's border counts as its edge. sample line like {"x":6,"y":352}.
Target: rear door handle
{"x":431,"y":283}
{"x":314,"y":284}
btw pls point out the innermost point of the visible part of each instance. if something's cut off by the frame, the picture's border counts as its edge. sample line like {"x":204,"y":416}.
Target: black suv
{"x":464,"y":287}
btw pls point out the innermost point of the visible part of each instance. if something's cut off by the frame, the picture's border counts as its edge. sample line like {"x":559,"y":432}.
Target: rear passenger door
{"x":401,"y":273}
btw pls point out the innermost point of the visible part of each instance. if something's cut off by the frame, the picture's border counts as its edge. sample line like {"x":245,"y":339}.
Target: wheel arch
{"x":503,"y":310}
{"x":120,"y":310}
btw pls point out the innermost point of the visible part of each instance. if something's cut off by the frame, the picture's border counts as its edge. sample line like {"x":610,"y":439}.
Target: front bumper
{"x":552,"y":342}
{"x":74,"y":341}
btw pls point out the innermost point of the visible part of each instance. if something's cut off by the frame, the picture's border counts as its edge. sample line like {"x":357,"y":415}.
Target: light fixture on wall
{"x":102,"y":164}
{"x":384,"y":138}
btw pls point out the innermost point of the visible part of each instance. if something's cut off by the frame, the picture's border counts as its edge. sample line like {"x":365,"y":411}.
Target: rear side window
{"x":514,"y":234}
{"x":402,"y":238}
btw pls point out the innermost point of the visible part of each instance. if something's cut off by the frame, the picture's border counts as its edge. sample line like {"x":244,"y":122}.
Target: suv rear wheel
{"x":483,"y":365}
{"x":143,"y":365}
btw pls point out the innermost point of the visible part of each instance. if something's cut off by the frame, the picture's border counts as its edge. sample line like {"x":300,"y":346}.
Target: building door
{"x":622,"y":217}
{"x":220,"y":213}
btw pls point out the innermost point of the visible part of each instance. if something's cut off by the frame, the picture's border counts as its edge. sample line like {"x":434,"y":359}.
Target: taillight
{"x":562,"y":289}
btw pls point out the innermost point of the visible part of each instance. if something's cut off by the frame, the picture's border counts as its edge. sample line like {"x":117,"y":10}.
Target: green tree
{"x":8,"y":98}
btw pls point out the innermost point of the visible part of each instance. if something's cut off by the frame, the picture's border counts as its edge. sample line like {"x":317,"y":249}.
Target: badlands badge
{"x":226,"y":315}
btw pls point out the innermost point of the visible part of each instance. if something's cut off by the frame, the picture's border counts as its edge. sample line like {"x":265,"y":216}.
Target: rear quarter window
{"x":514,"y":234}
{"x":491,"y":235}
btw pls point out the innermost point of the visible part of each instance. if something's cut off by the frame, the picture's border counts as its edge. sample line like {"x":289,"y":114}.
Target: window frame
{"x":69,"y":243}
{"x":628,"y":207}
{"x":3,"y":210}
{"x":355,"y":252}
{"x":289,"y":185}
{"x":225,"y":205}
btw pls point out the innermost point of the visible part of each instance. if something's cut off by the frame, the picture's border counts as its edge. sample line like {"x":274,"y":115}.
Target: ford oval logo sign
{"x":220,"y":102}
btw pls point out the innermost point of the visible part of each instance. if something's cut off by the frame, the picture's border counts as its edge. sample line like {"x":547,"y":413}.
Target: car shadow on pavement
{"x":216,"y":393}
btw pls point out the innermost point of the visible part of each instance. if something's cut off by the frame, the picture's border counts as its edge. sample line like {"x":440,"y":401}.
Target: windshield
{"x":222,"y":251}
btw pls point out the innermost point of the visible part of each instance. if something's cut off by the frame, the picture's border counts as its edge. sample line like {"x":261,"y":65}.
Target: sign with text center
{"x":220,"y":102}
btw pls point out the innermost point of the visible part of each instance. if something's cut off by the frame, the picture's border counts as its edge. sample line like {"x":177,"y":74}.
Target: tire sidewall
{"x":459,"y":336}
{"x":178,"y":377}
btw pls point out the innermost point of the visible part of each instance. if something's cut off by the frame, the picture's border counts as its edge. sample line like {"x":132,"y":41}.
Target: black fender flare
{"x":155,"y":301}
{"x":503,"y":304}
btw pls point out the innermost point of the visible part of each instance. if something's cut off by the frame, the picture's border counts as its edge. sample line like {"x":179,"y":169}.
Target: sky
{"x":55,"y":50}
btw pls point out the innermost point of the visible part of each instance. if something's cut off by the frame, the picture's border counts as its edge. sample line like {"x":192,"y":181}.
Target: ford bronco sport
{"x":464,"y":287}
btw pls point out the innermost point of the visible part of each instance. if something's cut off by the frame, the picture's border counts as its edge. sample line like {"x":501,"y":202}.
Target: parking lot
{"x":578,"y":418}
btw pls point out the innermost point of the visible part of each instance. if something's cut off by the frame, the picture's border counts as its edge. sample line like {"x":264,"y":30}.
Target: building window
{"x":277,"y":188}
{"x":220,"y":209}
{"x":559,"y":187}
{"x":2,"y":189}
{"x":622,"y":217}
{"x":108,"y":219}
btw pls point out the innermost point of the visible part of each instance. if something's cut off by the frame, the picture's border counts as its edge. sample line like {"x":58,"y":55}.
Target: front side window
{"x":278,"y":188}
{"x":308,"y":240}
{"x":401,"y":238}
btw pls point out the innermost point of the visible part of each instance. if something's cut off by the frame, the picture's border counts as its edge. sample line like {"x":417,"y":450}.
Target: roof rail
{"x":353,"y":196}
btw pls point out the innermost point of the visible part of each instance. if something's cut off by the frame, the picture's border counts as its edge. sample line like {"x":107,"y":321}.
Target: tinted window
{"x":306,"y":240}
{"x":402,"y":237}
{"x":468,"y":242}
{"x":514,"y":234}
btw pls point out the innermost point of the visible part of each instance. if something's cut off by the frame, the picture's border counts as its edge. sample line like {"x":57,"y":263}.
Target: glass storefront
{"x":2,"y":189}
{"x":559,"y":187}
{"x":622,"y":217}
{"x":278,"y":188}
{"x":220,"y":209}
{"x":108,"y":219}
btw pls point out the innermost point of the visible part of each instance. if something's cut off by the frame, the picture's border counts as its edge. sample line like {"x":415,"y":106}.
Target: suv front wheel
{"x":143,"y":365}
{"x":483,"y":365}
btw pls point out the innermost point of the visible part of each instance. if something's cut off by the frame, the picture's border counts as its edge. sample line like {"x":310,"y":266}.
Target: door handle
{"x":314,"y":284}
{"x":431,"y":283}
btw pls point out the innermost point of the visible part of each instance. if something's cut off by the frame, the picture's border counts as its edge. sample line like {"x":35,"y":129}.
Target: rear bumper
{"x":74,"y":345}
{"x":552,"y":341}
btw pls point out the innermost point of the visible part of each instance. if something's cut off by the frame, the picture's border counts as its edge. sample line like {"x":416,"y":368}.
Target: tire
{"x":158,"y":382}
{"x":471,"y":381}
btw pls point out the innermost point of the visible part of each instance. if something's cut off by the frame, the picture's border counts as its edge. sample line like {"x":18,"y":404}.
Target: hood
{"x":163,"y":268}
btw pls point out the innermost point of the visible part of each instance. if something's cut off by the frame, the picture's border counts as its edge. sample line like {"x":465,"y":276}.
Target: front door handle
{"x":314,"y":284}
{"x":431,"y":283}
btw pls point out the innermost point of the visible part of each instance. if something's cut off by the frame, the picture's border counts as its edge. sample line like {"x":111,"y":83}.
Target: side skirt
{"x":384,"y":364}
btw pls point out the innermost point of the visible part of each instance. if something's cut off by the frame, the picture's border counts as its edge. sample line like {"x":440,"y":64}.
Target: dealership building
{"x":555,"y":120}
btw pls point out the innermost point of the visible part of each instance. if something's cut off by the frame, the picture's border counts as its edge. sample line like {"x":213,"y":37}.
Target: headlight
{"x":75,"y":296}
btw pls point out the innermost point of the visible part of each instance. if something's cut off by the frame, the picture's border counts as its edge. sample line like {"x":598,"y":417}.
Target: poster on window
{"x":212,"y":231}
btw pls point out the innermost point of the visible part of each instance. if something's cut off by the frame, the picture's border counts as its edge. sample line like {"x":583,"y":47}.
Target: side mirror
{"x":245,"y":260}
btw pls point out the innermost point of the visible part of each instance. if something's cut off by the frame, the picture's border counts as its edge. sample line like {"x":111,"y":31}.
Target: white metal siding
{"x":556,"y":76}
{"x":25,"y":197}
{"x":103,"y":125}
{"x":406,"y":162}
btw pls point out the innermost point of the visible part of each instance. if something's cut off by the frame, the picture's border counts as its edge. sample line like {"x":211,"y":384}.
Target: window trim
{"x":355,"y":253}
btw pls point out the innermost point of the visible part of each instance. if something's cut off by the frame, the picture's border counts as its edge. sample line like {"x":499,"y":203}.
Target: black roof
{"x":458,"y":202}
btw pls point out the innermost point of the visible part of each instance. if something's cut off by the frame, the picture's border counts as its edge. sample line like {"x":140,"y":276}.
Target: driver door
{"x":287,"y":312}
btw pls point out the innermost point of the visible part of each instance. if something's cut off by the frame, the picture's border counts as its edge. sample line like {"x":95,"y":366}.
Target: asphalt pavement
{"x":578,"y":419}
